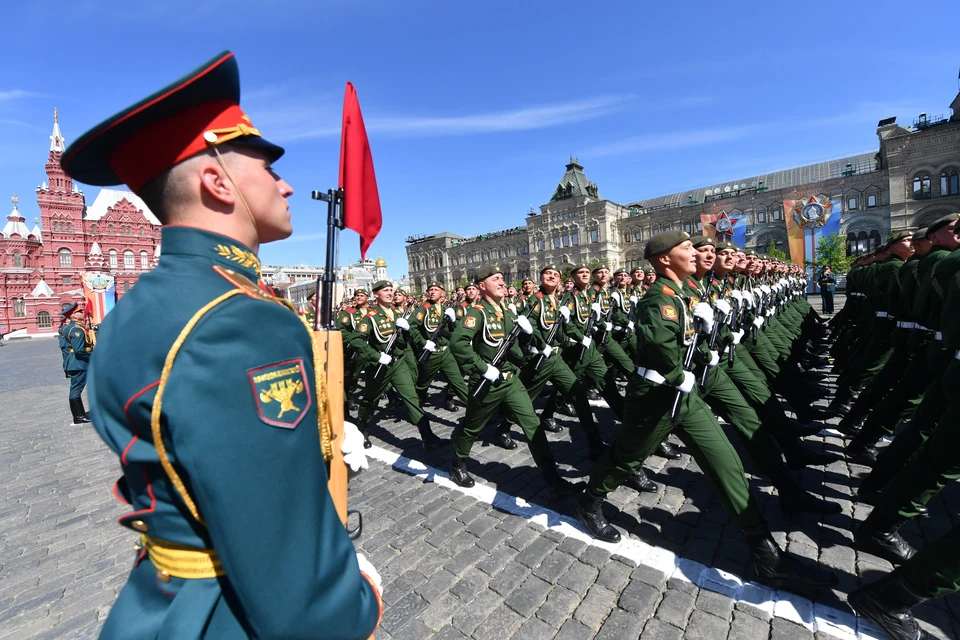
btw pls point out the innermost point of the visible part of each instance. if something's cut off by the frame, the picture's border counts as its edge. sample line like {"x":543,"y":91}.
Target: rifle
{"x":687,"y":363}
{"x":734,"y":326}
{"x":587,"y":330}
{"x":538,"y":363}
{"x":425,"y":355}
{"x":754,"y":329}
{"x":484,"y":387}
{"x":711,"y":343}
{"x":391,"y":342}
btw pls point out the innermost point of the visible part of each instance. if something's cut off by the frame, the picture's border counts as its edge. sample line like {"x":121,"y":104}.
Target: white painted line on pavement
{"x":777,"y":603}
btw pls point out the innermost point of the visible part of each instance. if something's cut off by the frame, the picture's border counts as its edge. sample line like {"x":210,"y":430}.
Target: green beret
{"x":941,"y":223}
{"x":619,"y":271}
{"x":663,"y":242}
{"x":361,"y":292}
{"x":598,"y":267}
{"x":639,"y":267}
{"x":470,"y":285}
{"x":897,"y":236}
{"x":703,"y":241}
{"x":550,"y":267}
{"x":920,"y":234}
{"x":486,"y":272}
{"x":579,"y":267}
{"x":381,"y":284}
{"x":750,"y":252}
{"x":435,"y":284}
{"x":726,"y":244}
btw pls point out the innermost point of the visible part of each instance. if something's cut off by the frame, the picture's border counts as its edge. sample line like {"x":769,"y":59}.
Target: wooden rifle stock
{"x":382,"y":368}
{"x":425,"y":355}
{"x":329,"y":364}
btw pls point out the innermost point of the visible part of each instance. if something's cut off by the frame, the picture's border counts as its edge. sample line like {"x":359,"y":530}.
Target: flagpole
{"x":325,"y":284}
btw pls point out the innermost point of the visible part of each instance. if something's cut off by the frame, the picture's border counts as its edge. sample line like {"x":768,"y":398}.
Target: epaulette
{"x":478,"y":306}
{"x":668,"y":291}
{"x":371,"y":314}
{"x":596,"y":287}
{"x":539,"y":294}
{"x":248,"y":288}
{"x":426,"y":305}
{"x":350,"y":310}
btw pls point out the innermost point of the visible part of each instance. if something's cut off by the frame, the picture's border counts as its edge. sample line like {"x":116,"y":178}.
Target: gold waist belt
{"x":181,"y":561}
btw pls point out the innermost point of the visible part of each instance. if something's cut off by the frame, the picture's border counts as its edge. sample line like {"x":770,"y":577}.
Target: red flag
{"x":361,"y":201}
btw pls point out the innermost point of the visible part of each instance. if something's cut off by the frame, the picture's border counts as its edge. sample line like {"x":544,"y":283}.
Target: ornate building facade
{"x":41,"y":268}
{"x":912,"y":179}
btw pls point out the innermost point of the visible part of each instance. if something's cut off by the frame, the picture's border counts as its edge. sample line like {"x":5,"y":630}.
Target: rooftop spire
{"x":56,"y":138}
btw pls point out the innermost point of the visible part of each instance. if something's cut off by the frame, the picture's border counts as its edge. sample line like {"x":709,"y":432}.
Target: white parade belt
{"x":650,"y":375}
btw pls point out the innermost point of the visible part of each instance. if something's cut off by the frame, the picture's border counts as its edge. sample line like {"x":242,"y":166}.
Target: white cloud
{"x":13,"y":94}
{"x":674,"y":140}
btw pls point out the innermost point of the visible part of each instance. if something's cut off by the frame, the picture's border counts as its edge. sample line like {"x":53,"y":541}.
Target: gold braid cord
{"x":158,"y":403}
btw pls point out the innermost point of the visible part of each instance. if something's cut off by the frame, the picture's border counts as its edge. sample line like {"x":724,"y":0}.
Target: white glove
{"x":634,"y":299}
{"x":524,"y":324}
{"x":430,"y":346}
{"x":631,"y":326}
{"x":747,"y":299}
{"x":758,"y":322}
{"x":722,"y":306}
{"x":688,"y":381}
{"x":385,"y":359}
{"x":547,"y":350}
{"x":758,"y":297}
{"x":768,"y":312}
{"x":586,"y":341}
{"x":565,"y":312}
{"x":737,"y":336}
{"x":765,"y":288}
{"x":352,"y":448}
{"x":714,"y":359}
{"x":451,"y":314}
{"x":373,"y":574}
{"x":512,"y":308}
{"x":402,"y":324}
{"x":608,"y":327}
{"x":597,"y":310}
{"x":736,"y":295}
{"x":703,"y":311}
{"x":492,"y":373}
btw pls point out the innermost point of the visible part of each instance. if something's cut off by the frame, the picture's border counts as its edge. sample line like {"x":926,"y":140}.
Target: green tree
{"x":773,"y":252}
{"x":832,"y":252}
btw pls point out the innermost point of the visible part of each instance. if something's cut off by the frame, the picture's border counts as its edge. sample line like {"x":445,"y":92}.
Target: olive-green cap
{"x":381,"y":284}
{"x":919,"y":234}
{"x":942,"y":222}
{"x":700,"y":241}
{"x":726,"y":244}
{"x":639,"y":267}
{"x":598,"y":267}
{"x":897,"y":236}
{"x":486,"y":272}
{"x":750,"y":252}
{"x":435,"y":284}
{"x":579,"y":267}
{"x":663,"y":242}
{"x":361,"y":292}
{"x":619,"y":271}
{"x":470,"y":285}
{"x":550,"y":267}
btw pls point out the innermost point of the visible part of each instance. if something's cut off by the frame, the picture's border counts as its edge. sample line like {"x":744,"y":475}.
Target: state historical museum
{"x":41,"y":267}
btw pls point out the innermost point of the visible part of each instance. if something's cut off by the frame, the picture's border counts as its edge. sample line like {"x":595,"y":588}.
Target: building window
{"x":69,"y":227}
{"x":687,"y":227}
{"x":699,"y":226}
{"x":666,"y":227}
{"x":851,"y":204}
{"x":638,"y":235}
{"x":144,"y":263}
{"x":626,"y":237}
{"x":128,"y":261}
{"x":871,"y":200}
{"x":113,"y":258}
{"x":654,"y":231}
{"x":921,"y":187}
{"x":526,"y":249}
{"x":761,"y":216}
{"x":67,"y":279}
{"x":595,"y":236}
{"x":16,"y":259}
{"x":566,"y":241}
{"x":66,"y":260}
{"x":556,"y":243}
{"x":949,"y":183}
{"x":540,"y":245}
{"x":19,"y":308}
{"x":574,"y":239}
{"x":43,"y":320}
{"x":110,"y":229}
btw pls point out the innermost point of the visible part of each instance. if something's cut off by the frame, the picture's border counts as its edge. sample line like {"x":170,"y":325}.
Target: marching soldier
{"x":346,"y":323}
{"x":441,"y":360}
{"x":475,"y":341}
{"x":206,"y":388}
{"x":397,"y":369}
{"x":666,"y":328}
{"x":471,"y":297}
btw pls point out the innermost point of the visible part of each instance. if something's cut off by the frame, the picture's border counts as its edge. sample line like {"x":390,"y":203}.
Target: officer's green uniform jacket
{"x":347,"y":321}
{"x":78,"y":356}
{"x":827,"y":282}
{"x":239,"y":423}
{"x":64,"y":344}
{"x":373,"y":333}
{"x":477,"y":338}
{"x":664,"y":329}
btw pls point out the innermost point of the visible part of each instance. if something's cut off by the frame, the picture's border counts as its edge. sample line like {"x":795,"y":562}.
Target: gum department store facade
{"x":913,"y":179}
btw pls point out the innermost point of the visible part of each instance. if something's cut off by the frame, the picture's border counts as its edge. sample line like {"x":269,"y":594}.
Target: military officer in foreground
{"x":79,"y":348}
{"x":206,"y":388}
{"x":666,"y":327}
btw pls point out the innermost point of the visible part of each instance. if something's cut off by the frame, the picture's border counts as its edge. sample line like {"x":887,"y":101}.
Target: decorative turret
{"x":36,"y":230}
{"x":95,"y":257}
{"x":380,"y":269}
{"x":56,"y":138}
{"x":574,"y":183}
{"x":15,"y":225}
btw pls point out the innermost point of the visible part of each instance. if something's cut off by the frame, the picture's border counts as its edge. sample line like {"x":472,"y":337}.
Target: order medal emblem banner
{"x":100,"y":292}
{"x":723,"y":226}
{"x":809,"y":219}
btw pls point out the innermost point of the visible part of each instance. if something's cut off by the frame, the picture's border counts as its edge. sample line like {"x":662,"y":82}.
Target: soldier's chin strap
{"x":223,"y":165}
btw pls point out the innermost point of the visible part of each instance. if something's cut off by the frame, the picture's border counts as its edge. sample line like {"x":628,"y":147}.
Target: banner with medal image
{"x":809,"y":219}
{"x":100,"y":292}
{"x":724,"y":226}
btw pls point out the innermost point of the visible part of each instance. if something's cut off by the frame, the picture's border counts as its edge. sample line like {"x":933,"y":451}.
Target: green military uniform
{"x":828,"y":286}
{"x":475,"y":342}
{"x":613,"y":354}
{"x":62,"y":338}
{"x":346,"y":322}
{"x":423,"y":324}
{"x":206,"y":388}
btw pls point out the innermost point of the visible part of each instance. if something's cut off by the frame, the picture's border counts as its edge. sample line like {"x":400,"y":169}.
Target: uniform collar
{"x":219,"y":249}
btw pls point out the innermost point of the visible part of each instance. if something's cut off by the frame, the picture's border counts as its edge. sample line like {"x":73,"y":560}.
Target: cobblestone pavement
{"x":501,"y":560}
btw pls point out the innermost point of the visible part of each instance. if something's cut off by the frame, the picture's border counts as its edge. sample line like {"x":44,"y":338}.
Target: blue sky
{"x":474,"y":108}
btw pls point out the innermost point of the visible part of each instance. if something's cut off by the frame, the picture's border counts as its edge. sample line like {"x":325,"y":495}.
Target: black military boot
{"x":566,"y":409}
{"x":589,"y":514}
{"x":559,"y":487}
{"x":666,"y":450}
{"x":592,"y":394}
{"x":431,"y":442}
{"x":793,"y":499}
{"x":879,"y":536}
{"x":459,"y":474}
{"x":450,"y":404}
{"x":799,"y":456}
{"x":502,"y":437}
{"x":640,"y":483}
{"x":79,"y":413}
{"x":364,"y":429}
{"x":887,"y":603}
{"x":549,"y":424}
{"x":778,"y":569}
{"x":861,"y":449}
{"x":802,"y":429}
{"x":838,"y":407}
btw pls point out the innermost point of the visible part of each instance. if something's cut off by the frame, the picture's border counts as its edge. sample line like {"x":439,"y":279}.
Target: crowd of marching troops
{"x":701,"y":329}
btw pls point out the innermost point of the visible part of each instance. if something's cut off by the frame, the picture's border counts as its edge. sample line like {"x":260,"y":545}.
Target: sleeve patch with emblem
{"x":363,"y":327}
{"x":668,"y":312}
{"x":281,"y":392}
{"x":420,"y":315}
{"x":469,"y":322}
